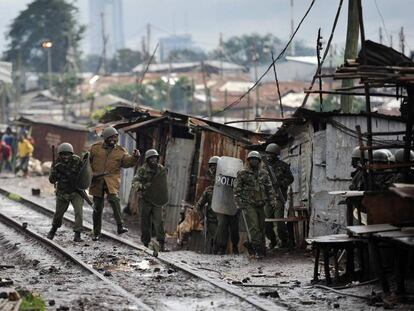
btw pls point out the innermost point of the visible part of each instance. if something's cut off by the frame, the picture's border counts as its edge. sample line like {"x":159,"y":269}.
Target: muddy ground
{"x":285,"y":276}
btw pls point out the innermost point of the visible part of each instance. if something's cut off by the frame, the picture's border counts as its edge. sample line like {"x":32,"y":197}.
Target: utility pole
{"x":351,"y":49}
{"x":292,"y":29}
{"x":221,"y":48}
{"x":206,"y":91}
{"x":18,"y":75}
{"x":148,"y":38}
{"x":380,"y":35}
{"x":402,"y":40}
{"x":256,"y":77}
{"x":104,"y":43}
{"x":391,"y":43}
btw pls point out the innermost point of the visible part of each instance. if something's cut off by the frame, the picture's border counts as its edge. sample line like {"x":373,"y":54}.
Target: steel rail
{"x":23,"y":228}
{"x":255,"y":301}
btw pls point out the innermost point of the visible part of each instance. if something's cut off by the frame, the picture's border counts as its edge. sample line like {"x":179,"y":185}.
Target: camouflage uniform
{"x":151,"y":214}
{"x":284,"y":178}
{"x":252,"y":191}
{"x":357,"y":182}
{"x":65,"y":175}
{"x":204,"y":205}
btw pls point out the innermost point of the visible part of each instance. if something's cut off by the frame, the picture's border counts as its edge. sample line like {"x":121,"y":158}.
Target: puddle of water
{"x":143,"y":265}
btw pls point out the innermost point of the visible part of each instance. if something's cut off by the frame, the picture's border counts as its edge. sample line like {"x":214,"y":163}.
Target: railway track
{"x":190,"y":284}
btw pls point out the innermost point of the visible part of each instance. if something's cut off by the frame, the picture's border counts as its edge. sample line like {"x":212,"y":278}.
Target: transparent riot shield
{"x":223,"y":201}
{"x":85,"y":175}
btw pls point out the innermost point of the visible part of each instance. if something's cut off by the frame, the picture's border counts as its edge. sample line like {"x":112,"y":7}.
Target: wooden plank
{"x":370,"y":229}
{"x":287,"y":219}
{"x":394,"y":234}
{"x":333,"y":238}
{"x":409,"y":241}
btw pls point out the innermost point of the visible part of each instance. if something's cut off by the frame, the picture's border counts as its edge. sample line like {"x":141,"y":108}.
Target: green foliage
{"x":53,"y":20}
{"x":155,"y":94}
{"x":90,"y":63}
{"x":125,"y":60}
{"x":243,"y":50}
{"x":187,"y":56}
{"x":32,"y":303}
{"x":333,"y":102}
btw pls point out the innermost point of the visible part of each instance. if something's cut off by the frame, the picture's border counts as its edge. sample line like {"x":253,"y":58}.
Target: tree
{"x":52,"y":20}
{"x":155,"y":94}
{"x":243,"y":50}
{"x":125,"y":60}
{"x":332,"y":102}
{"x":187,"y":56}
{"x":90,"y":63}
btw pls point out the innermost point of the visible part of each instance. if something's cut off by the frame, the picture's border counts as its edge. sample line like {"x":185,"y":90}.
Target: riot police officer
{"x":284,"y":178}
{"x":252,"y":191}
{"x":64,"y":174}
{"x":150,"y":182}
{"x":203,"y":206}
{"x":107,"y":158}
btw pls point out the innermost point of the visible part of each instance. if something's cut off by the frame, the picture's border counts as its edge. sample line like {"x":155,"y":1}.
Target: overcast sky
{"x":205,"y":19}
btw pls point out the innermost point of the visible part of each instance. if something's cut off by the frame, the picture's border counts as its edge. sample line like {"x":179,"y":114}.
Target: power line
{"x":237,"y":101}
{"x":328,"y":45}
{"x":382,"y":21}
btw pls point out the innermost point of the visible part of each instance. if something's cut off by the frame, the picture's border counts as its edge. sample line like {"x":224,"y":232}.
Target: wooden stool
{"x":335,"y":243}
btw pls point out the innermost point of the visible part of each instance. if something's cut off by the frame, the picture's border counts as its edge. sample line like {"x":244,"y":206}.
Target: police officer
{"x":64,"y":174}
{"x":252,"y":191}
{"x":203,"y":205}
{"x":383,"y":178}
{"x":107,"y":158}
{"x":401,"y":177}
{"x":357,"y":175}
{"x":227,"y":225}
{"x":150,"y":183}
{"x":284,"y":178}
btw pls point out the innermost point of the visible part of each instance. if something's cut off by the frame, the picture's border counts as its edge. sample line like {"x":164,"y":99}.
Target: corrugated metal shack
{"x":185,"y":144}
{"x":47,"y":133}
{"x":318,"y":148}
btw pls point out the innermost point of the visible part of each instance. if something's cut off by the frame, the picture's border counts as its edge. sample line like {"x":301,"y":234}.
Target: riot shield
{"x":223,"y":201}
{"x":85,"y":174}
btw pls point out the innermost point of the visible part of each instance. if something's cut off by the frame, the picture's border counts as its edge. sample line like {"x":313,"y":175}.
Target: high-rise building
{"x":174,"y":43}
{"x":111,"y":13}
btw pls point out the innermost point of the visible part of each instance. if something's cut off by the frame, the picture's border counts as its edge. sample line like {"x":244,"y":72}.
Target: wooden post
{"x":351,"y":49}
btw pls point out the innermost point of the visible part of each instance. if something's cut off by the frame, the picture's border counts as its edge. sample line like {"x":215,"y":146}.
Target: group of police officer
{"x":256,"y":195}
{"x":106,"y":158}
{"x":383,"y":177}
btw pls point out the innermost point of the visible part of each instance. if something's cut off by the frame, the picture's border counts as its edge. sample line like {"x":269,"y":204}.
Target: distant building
{"x":174,"y":43}
{"x":113,"y":20}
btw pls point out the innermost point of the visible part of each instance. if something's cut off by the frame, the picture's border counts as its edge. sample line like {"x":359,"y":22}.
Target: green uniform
{"x":227,"y":225}
{"x":203,"y":206}
{"x":252,"y":191}
{"x":64,"y":175}
{"x":284,"y":178}
{"x":151,"y":213}
{"x":357,"y":182}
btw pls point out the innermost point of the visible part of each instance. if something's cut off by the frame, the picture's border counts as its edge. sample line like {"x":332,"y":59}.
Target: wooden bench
{"x":332,"y":244}
{"x":403,"y":247}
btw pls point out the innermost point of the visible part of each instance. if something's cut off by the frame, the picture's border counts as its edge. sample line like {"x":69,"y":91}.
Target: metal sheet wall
{"x":46,"y":135}
{"x":126,"y":174}
{"x":178,"y":159}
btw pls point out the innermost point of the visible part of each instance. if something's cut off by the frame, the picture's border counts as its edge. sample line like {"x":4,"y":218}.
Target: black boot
{"x":235,"y":250}
{"x":51,"y":233}
{"x":162,"y":246}
{"x":77,"y":237}
{"x":96,"y":237}
{"x":122,"y":229}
